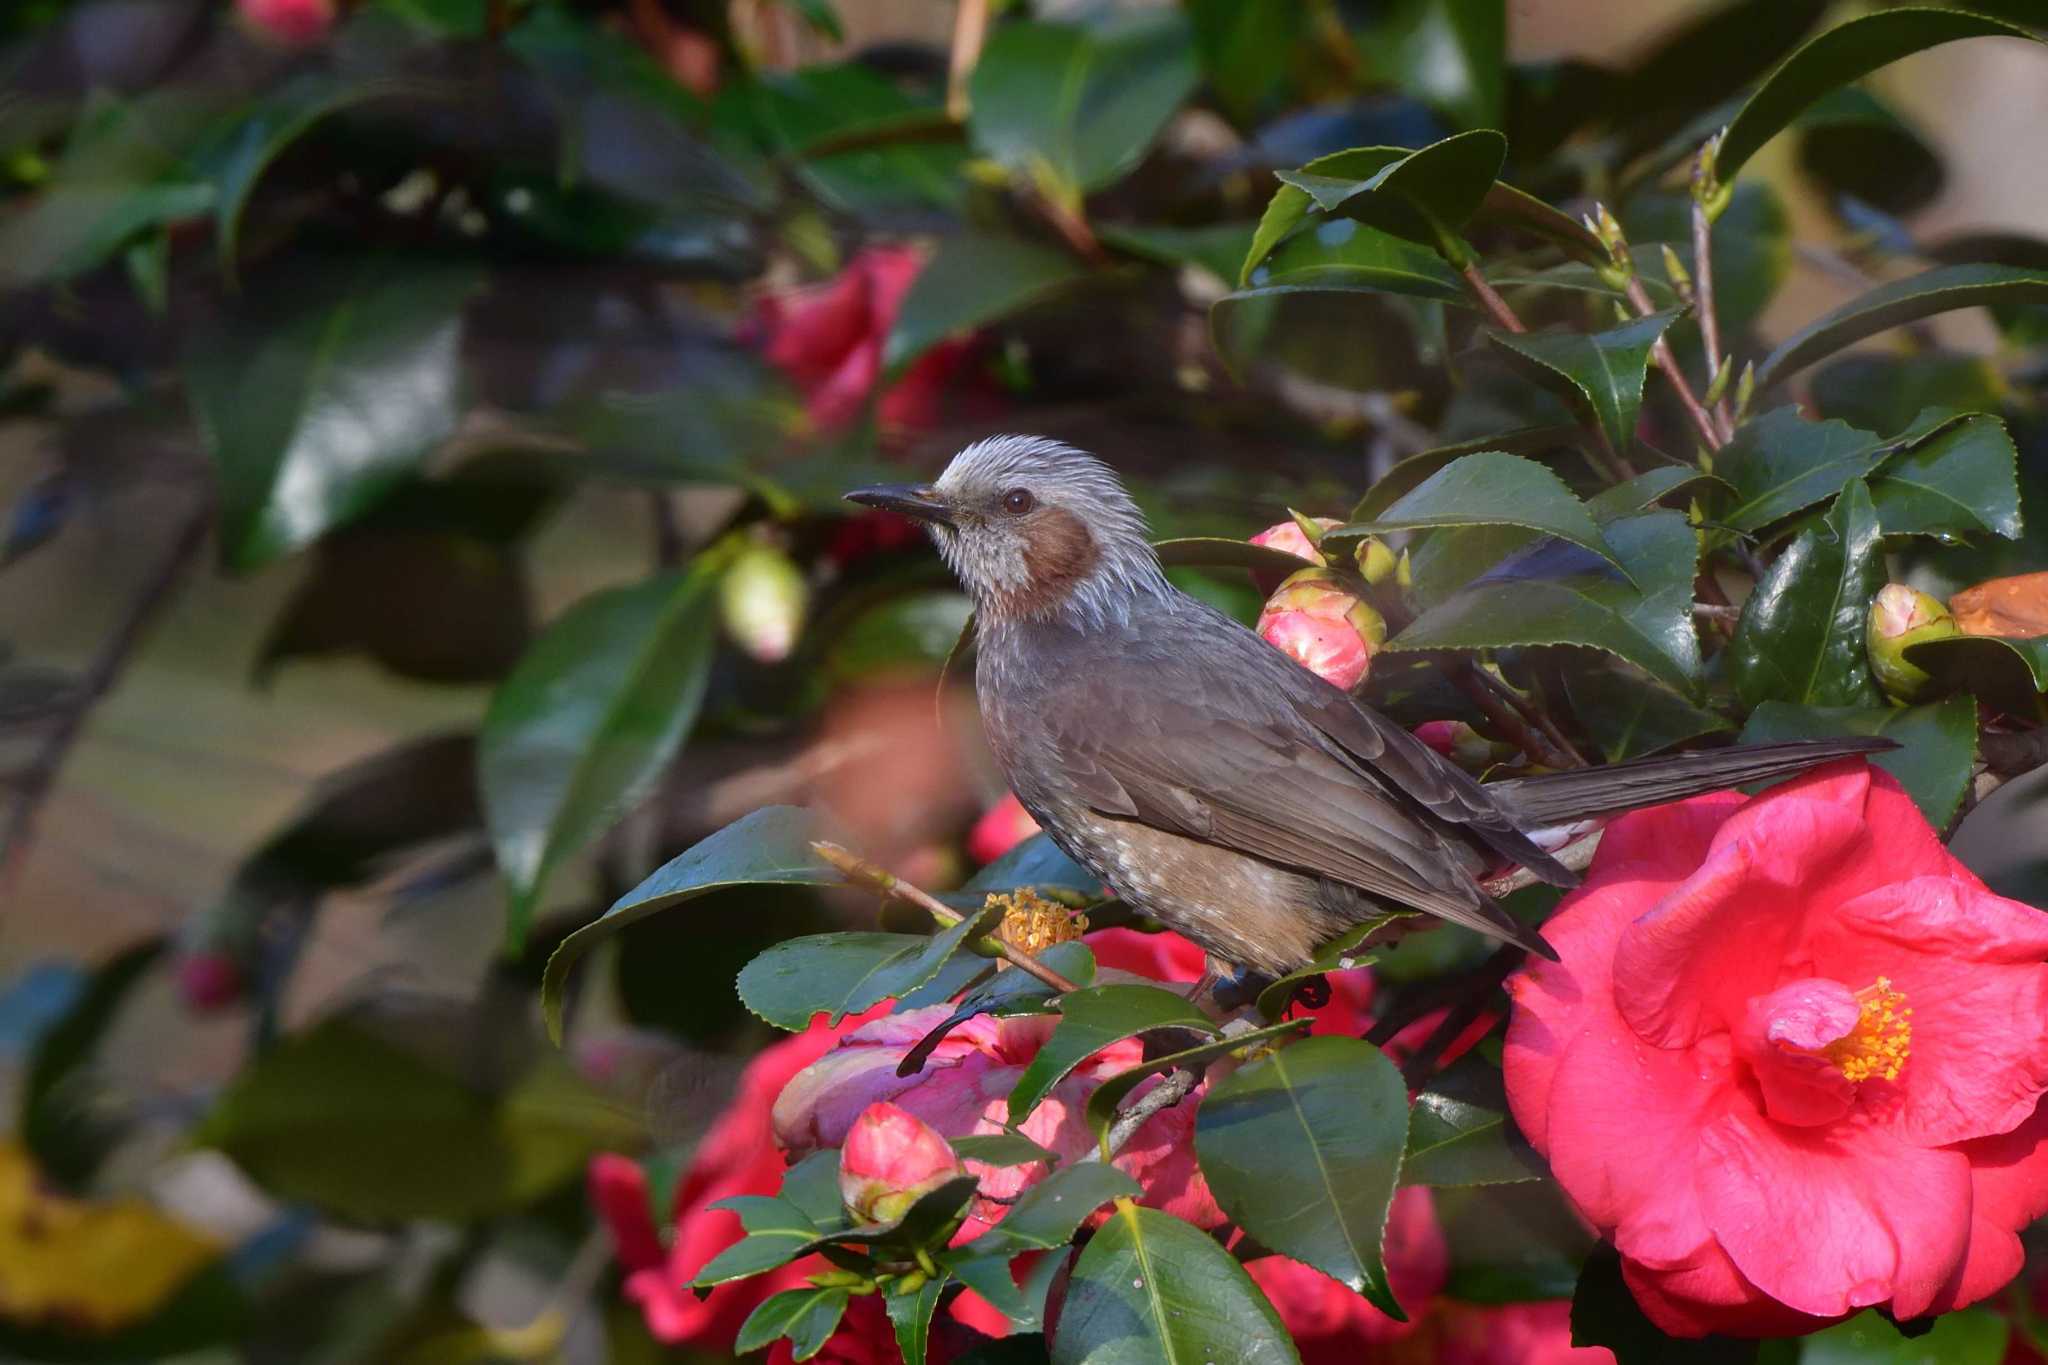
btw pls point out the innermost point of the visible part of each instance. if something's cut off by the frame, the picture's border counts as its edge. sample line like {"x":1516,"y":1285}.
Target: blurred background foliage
{"x":421,"y":431}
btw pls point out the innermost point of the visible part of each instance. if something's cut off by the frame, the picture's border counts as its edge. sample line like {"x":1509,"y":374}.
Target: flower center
{"x":1031,"y":923}
{"x":1882,"y":1038}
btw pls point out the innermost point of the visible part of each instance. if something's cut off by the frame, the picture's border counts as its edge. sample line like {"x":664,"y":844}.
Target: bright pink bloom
{"x":828,"y":339}
{"x":1287,"y":535}
{"x":889,"y":1161}
{"x":1001,"y":828}
{"x":294,"y":22}
{"x":1511,"y":1334}
{"x":1792,"y":1061}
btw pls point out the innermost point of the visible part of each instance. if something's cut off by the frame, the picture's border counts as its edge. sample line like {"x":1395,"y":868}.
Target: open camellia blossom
{"x":1792,"y":1060}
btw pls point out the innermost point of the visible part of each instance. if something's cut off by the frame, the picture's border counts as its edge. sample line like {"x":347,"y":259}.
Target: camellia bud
{"x":1289,"y":536}
{"x":892,"y":1159}
{"x":762,"y":599}
{"x":1316,"y":620}
{"x":292,"y":22}
{"x":1376,"y":562}
{"x":1901,"y":616}
{"x":1462,"y":744}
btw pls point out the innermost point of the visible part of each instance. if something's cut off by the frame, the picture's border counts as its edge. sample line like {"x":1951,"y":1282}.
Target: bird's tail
{"x":1588,"y":793}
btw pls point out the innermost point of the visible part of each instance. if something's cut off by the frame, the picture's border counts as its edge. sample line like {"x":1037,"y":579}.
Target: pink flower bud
{"x":293,"y":22}
{"x":1901,"y":616}
{"x":1460,"y":743}
{"x":892,"y":1159}
{"x":209,"y":980}
{"x":1315,"y":620}
{"x":1001,"y":828}
{"x":762,"y":599}
{"x":1289,"y":537}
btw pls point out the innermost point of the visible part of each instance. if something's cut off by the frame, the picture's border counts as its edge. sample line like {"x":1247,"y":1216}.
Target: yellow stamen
{"x":1031,"y":923}
{"x":1882,"y":1039}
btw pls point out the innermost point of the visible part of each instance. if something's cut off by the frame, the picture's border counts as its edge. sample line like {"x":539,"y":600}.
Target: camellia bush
{"x":1446,"y":374}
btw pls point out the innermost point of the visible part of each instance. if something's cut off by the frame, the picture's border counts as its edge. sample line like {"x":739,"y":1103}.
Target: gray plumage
{"x":1215,"y":784}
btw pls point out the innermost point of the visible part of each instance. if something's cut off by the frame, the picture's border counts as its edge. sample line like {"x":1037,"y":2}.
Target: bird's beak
{"x":918,"y":500}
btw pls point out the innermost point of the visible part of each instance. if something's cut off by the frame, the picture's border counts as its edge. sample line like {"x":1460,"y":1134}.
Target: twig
{"x":1495,"y":306}
{"x":1178,"y":1085}
{"x":1703,"y":292}
{"x":970,"y":27}
{"x":668,"y":531}
{"x":1523,"y":725}
{"x":36,"y":780}
{"x":858,"y":869}
{"x":1478,"y":993}
{"x":1668,"y":363}
{"x":1576,"y":856}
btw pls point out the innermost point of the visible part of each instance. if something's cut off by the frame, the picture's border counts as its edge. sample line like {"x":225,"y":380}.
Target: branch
{"x":1495,"y":306}
{"x":970,"y":28}
{"x":40,"y":776}
{"x":858,"y":869}
{"x":1523,"y":725}
{"x":1668,"y":363}
{"x":1576,"y":855}
{"x":1703,"y":274}
{"x":1178,"y":1085}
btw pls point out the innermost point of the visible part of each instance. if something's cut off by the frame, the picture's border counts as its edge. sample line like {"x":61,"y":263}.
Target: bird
{"x":1218,"y":786}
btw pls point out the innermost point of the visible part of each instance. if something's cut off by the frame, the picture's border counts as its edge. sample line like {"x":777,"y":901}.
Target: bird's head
{"x":1035,"y":530}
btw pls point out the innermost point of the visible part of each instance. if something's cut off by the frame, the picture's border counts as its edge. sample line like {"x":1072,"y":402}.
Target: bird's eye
{"x":1018,"y":501}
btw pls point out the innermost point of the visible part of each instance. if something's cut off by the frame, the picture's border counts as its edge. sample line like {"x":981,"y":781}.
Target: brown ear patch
{"x":1059,"y":551}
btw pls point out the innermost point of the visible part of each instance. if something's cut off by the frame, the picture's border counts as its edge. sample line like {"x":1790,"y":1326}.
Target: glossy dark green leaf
{"x":582,"y":729}
{"x":1149,"y":1288}
{"x":1604,"y":1313}
{"x":856,"y":139}
{"x":1404,"y":477}
{"x":843,"y":974}
{"x":1344,"y":255}
{"x":1001,"y":1149}
{"x":1598,"y":373}
{"x":1023,"y":1305}
{"x":1801,"y":635}
{"x":1340,"y":954}
{"x":1629,"y":715}
{"x":342,"y":1119}
{"x":1090,"y":1021}
{"x":1080,"y":105}
{"x":1245,"y":47}
{"x":1937,"y":743}
{"x":1302,"y":1148}
{"x":1217,"y":248}
{"x":777,"y":1231}
{"x":1449,"y":54}
{"x":910,"y":1315}
{"x":1644,"y":491}
{"x":1649,"y":623}
{"x":1962,"y":480}
{"x":807,"y":1316}
{"x":1048,"y":1213}
{"x":1857,"y":145}
{"x":1780,"y":463}
{"x":1511,"y":1243}
{"x":315,"y":403}
{"x":2007,"y":674}
{"x":1488,"y":488}
{"x":926,"y":1226}
{"x":974,"y":279}
{"x":1508,"y":206}
{"x":1037,"y":862}
{"x":1941,"y":289}
{"x":1009,"y":991}
{"x":1459,"y":1132}
{"x":770,"y":845}
{"x":1843,"y":54}
{"x":1974,"y":1336}
{"x":1103,"y":1103}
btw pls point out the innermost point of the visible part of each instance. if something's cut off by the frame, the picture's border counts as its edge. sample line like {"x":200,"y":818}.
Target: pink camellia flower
{"x":293,"y":22}
{"x":890,"y":1160}
{"x":1001,"y":828}
{"x":1330,"y":1323}
{"x":1288,"y":536}
{"x":1316,"y":621}
{"x":828,"y":339}
{"x":1510,"y":1334}
{"x":1792,"y":1061}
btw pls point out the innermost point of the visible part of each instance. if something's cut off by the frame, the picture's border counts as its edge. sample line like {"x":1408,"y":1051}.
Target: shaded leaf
{"x":1801,"y":634}
{"x":1940,"y":289}
{"x":2007,"y":674}
{"x":1245,"y":47}
{"x":1599,"y":373}
{"x":911,"y":1317}
{"x":1405,"y":476}
{"x":771,"y":845}
{"x":1048,"y":1214}
{"x":582,"y":729}
{"x":1511,"y":1243}
{"x":974,"y":279}
{"x":1090,"y":1021}
{"x":1459,"y":1132}
{"x":58,"y":1122}
{"x":1302,"y":1148}
{"x":807,"y":1316}
{"x":1451,"y":54}
{"x":1937,"y":743}
{"x":1489,"y":488}
{"x":1340,"y":954}
{"x":906,"y":150}
{"x":1604,"y":1313}
{"x":1974,"y":1336}
{"x":843,"y":974}
{"x":1644,"y":491}
{"x":1629,"y":715}
{"x":1217,"y":248}
{"x":1149,"y":1287}
{"x":1001,"y":1149}
{"x":1102,"y":1104}
{"x":1518,"y":208}
{"x":1859,"y":146}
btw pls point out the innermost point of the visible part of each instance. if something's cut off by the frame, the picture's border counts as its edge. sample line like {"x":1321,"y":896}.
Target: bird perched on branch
{"x":1220,"y":788}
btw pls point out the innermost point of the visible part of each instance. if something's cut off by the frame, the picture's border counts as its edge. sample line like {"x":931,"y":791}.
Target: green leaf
{"x":1038,"y":863}
{"x":1962,"y":480}
{"x":1511,"y":1243}
{"x":1090,"y":1021}
{"x":1150,"y":1288}
{"x":1491,"y":488}
{"x":857,"y":140}
{"x":771,"y":845}
{"x":1644,"y":491}
{"x":1344,"y":255}
{"x":1215,"y":552}
{"x":1405,"y":476}
{"x":807,"y":1316}
{"x":1217,"y":247}
{"x":1302,"y":1148}
{"x":911,"y":1316}
{"x":1507,"y":205}
{"x":1391,"y":188}
{"x":1649,"y":623}
{"x":1340,"y":954}
{"x":926,"y":1226}
{"x":1604,"y":1313}
{"x":1937,"y":743}
{"x":1780,"y":463}
{"x":1974,"y":1336}
{"x":316,"y":402}
{"x":66,"y":1133}
{"x":2006,"y":674}
{"x":843,"y":974}
{"x":1801,"y":635}
{"x":1102,"y":1105}
{"x":582,"y":729}
{"x":1080,"y":105}
{"x":1245,"y":47}
{"x":1002,"y":1149}
{"x":1459,"y":1133}
{"x":1835,"y":58}
{"x":1048,"y":1213}
{"x":1941,"y":289}
{"x":1024,"y":1306}
{"x":1599,"y":373}
{"x":340,"y":1118}
{"x":1450,"y":54}
{"x":777,"y":1232}
{"x":1629,"y":715}
{"x":1855,"y":145}
{"x":974,"y":279}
